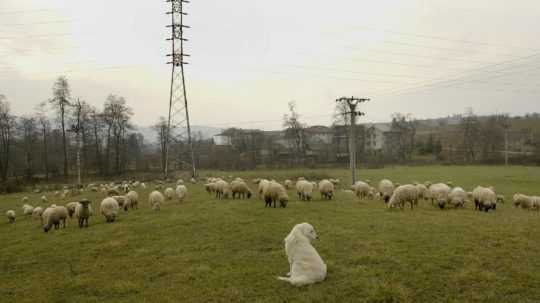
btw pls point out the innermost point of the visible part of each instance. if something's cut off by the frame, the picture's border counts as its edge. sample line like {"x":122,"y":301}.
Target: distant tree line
{"x":42,"y":145}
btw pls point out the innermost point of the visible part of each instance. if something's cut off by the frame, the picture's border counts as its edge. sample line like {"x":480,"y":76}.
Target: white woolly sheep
{"x":71,"y":208}
{"x":169,"y":193}
{"x":54,"y":216}
{"x":10,"y":214}
{"x":27,"y":209}
{"x":361,"y":189}
{"x":109,"y":209}
{"x":484,"y":199}
{"x":83,"y":211}
{"x":403,"y":194}
{"x":155,"y":199}
{"x":223,"y":189}
{"x":523,"y":201}
{"x":36,"y":214}
{"x":422,"y":190}
{"x":132,"y":200}
{"x":326,"y":188}
{"x":275,"y":192}
{"x":122,"y":202}
{"x":288,"y":184}
{"x":304,"y":189}
{"x":439,"y":193}
{"x":262,"y":186}
{"x":386,"y":189}
{"x":193,"y":181}
{"x":240,"y":189}
{"x":25,"y":199}
{"x":181,"y":192}
{"x":457,"y":197}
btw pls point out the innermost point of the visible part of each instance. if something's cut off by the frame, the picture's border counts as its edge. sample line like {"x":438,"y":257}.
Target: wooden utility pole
{"x":353,"y":102}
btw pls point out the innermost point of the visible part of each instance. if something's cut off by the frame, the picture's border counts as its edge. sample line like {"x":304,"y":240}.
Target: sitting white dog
{"x":307,"y":267}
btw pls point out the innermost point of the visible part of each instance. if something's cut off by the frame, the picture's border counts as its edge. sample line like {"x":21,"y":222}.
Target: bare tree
{"x":7,"y":124}
{"x":61,"y":100}
{"x":96,"y":126}
{"x":294,"y":132}
{"x":117,"y":116}
{"x":45,"y":127}
{"x":161,"y":128}
{"x":28,"y":131}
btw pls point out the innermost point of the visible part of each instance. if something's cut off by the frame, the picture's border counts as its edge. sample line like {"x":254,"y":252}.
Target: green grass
{"x":206,"y":250}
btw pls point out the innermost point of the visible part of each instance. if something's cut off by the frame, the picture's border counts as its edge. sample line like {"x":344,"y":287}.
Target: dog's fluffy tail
{"x":287,"y":279}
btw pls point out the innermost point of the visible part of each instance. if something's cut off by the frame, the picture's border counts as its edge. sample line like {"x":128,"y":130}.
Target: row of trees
{"x":43,"y":144}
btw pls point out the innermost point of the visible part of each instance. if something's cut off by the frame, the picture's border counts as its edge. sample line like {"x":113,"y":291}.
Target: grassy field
{"x":206,"y":250}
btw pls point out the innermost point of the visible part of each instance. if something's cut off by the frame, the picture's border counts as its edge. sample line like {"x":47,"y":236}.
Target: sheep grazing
{"x":361,"y":189}
{"x":422,"y":190}
{"x":71,"y":208}
{"x":439,"y":192}
{"x":484,"y":199}
{"x":386,"y":189}
{"x":223,"y":189}
{"x":262,"y":186}
{"x":122,"y":202}
{"x":240,"y":189}
{"x":54,"y":216}
{"x":181,"y":192}
{"x":275,"y":192}
{"x":336,"y":182}
{"x":83,"y":211}
{"x":132,"y":200}
{"x":193,"y":181}
{"x":25,"y":200}
{"x":326,"y":188}
{"x":304,"y":189}
{"x":155,"y":199}
{"x":403,"y":194}
{"x":457,"y":197}
{"x":36,"y":214}
{"x":169,"y":193}
{"x":179,"y":182}
{"x":44,"y":199}
{"x":10,"y":214}
{"x":500,"y":199}
{"x":143,"y":185}
{"x":288,"y":184}
{"x":27,"y":209}
{"x":109,"y":209}
{"x":524,"y":202}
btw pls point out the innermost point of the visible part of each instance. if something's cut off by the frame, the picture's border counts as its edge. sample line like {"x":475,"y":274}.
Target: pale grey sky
{"x":250,"y":58}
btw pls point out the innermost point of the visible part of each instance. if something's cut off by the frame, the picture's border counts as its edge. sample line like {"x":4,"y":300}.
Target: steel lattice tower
{"x":178,"y":140}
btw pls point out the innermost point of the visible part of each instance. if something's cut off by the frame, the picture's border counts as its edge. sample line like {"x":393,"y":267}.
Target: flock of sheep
{"x":306,"y":266}
{"x":118,"y":196}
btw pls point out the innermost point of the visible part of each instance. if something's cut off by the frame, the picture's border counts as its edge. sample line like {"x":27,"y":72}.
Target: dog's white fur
{"x":306,"y":266}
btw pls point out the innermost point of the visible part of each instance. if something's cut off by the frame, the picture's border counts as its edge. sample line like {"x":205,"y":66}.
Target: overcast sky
{"x":250,"y":58}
